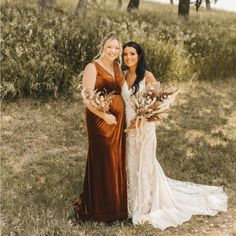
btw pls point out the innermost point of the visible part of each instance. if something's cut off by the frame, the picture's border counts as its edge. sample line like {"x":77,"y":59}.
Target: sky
{"x":227,"y":5}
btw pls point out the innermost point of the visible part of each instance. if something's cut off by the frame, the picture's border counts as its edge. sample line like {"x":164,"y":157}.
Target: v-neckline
{"x":107,"y":70}
{"x":129,"y":89}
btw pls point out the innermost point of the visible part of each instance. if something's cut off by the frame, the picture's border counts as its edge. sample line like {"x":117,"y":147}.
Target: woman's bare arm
{"x":89,"y":79}
{"x":150,"y":78}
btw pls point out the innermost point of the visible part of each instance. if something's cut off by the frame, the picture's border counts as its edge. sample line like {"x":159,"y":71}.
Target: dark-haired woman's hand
{"x":133,"y":125}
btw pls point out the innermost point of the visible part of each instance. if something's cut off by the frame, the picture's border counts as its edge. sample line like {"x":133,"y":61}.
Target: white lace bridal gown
{"x":153,"y":197}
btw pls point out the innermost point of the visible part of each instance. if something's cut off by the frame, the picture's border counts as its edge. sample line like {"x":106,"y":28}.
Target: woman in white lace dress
{"x":153,"y":197}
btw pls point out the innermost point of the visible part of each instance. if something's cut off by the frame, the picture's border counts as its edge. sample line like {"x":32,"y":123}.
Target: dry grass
{"x":44,"y":145}
{"x":44,"y":149}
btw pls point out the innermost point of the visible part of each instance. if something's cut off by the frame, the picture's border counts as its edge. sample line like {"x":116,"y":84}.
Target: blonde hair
{"x":109,"y":36}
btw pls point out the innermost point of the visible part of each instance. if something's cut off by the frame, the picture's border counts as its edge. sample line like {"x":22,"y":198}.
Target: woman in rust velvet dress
{"x":104,"y":196}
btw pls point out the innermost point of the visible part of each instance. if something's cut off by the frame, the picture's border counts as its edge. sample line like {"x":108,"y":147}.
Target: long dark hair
{"x":141,"y":66}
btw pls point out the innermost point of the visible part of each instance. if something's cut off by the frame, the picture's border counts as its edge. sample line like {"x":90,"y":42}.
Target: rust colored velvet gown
{"x":104,"y":196}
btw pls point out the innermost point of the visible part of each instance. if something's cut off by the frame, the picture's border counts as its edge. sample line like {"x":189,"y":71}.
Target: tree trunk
{"x":171,"y":1}
{"x":208,"y":4}
{"x":46,"y":3}
{"x":198,"y":4}
{"x":119,"y":4}
{"x":183,"y":9}
{"x":133,"y":5}
{"x":81,"y":7}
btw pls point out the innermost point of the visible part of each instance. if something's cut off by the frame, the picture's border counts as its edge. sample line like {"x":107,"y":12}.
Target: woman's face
{"x":130,"y":56}
{"x":111,"y":49}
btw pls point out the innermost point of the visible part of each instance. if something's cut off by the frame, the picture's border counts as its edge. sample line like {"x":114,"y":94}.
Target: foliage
{"x":43,"y":52}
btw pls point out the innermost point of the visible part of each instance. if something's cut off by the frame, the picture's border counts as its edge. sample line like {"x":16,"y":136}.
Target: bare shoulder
{"x":90,"y":71}
{"x":90,"y":68}
{"x":89,"y":76}
{"x":150,"y":78}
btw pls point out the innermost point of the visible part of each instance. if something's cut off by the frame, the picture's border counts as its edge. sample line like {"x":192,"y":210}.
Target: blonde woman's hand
{"x":110,"y":119}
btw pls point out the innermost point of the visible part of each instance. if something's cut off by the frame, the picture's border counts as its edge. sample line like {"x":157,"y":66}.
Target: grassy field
{"x":44,"y":146}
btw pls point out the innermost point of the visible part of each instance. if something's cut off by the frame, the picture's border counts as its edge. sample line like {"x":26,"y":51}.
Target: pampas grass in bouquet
{"x":152,"y":104}
{"x":100,"y":100}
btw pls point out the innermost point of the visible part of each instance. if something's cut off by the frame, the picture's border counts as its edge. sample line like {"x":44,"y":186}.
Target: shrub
{"x":44,"y":52}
